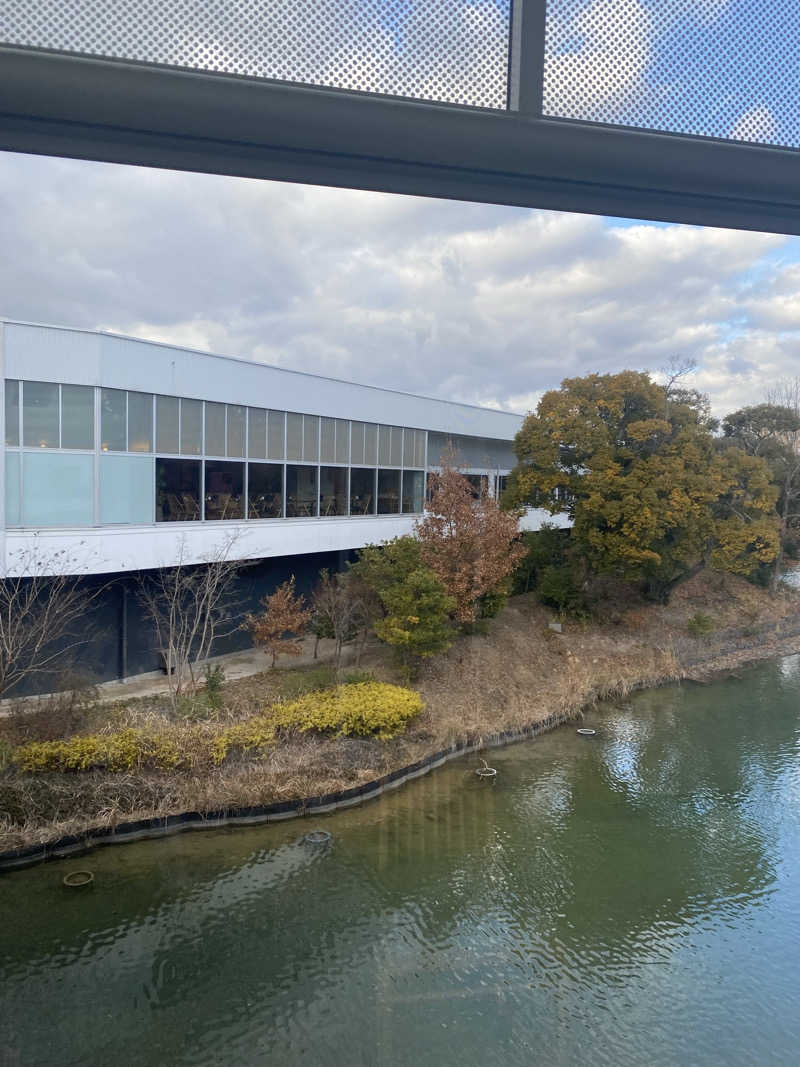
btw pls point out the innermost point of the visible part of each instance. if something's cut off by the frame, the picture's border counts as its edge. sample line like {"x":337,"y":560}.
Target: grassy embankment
{"x":519,"y":673}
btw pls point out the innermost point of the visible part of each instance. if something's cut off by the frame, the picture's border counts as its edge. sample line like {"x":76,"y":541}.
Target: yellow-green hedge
{"x":361,"y":709}
{"x":122,"y":751}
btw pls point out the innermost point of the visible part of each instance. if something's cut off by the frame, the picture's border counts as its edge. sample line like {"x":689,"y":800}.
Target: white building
{"x":122,"y":456}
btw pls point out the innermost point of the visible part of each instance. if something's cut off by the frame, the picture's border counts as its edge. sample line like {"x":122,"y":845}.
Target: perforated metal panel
{"x":453,"y":51}
{"x":716,"y":68}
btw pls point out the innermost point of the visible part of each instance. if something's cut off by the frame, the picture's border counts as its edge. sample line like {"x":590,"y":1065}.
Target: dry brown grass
{"x":518,"y":674}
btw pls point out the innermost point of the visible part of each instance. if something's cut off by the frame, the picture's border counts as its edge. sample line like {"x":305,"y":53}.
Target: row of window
{"x":46,"y":415}
{"x":58,"y":489}
{"x":185,"y":492}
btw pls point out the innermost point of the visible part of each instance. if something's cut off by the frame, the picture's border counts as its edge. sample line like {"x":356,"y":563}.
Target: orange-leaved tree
{"x":284,"y":615}
{"x":470,"y":544}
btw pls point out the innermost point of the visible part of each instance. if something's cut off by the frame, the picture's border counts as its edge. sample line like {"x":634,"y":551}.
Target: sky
{"x":476,"y":303}
{"x":483,"y":304}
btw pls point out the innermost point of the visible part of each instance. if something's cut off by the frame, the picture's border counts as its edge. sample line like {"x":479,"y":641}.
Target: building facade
{"x":122,"y":456}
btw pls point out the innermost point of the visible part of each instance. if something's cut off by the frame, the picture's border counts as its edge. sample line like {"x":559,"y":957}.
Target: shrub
{"x":546,"y":547}
{"x":215,"y":679}
{"x":361,"y":709}
{"x":558,"y":588}
{"x":415,"y":606}
{"x":490,"y":605}
{"x":701,"y":624}
{"x":121,"y":751}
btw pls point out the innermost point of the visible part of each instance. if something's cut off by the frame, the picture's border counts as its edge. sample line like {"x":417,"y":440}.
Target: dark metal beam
{"x":118,"y":112}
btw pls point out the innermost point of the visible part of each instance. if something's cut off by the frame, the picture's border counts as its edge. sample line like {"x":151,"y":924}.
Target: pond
{"x":632,"y":898}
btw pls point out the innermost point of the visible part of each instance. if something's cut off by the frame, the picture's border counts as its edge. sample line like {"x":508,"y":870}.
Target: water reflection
{"x":570,"y":913}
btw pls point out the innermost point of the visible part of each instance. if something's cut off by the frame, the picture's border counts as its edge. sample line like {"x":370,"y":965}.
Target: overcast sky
{"x":488,"y":305}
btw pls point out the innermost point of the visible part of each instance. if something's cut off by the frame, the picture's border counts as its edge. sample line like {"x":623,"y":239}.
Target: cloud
{"x":465,"y":301}
{"x":756,"y":125}
{"x":596,"y":59}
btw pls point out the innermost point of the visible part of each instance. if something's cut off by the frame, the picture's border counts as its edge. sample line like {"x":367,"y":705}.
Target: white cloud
{"x":757,"y":124}
{"x":606,"y":72}
{"x":465,"y":301}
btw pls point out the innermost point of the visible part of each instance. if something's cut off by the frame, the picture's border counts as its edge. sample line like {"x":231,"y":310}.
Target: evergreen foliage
{"x":651,"y":493}
{"x":415,"y":609}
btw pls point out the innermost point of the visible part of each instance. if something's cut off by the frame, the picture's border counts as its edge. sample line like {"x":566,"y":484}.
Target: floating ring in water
{"x":318,"y":837}
{"x":585,"y":731}
{"x":486,"y":771}
{"x":78,"y":879}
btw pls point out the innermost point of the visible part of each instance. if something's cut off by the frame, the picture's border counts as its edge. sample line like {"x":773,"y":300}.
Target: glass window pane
{"x":388,"y":492}
{"x":419,"y":449}
{"x":362,"y":491}
{"x":301,"y":492}
{"x":224,"y":490}
{"x":357,"y":443}
{"x":177,"y":490}
{"x":342,"y":441}
{"x":327,"y":451}
{"x":276,"y":428}
{"x":12,"y":489}
{"x":235,"y":430}
{"x":12,"y":412}
{"x":126,"y":489}
{"x":294,"y":436}
{"x":256,"y":433}
{"x":191,"y":427}
{"x":77,"y":416}
{"x":167,"y":424}
{"x":40,"y":415}
{"x":58,"y":489}
{"x":140,"y":422}
{"x":408,"y":447}
{"x":370,"y":443}
{"x":413,"y":490}
{"x":332,"y":491}
{"x":113,"y":420}
{"x":385,"y":445}
{"x":479,"y":484}
{"x":215,"y":429}
{"x":310,"y":438}
{"x":397,"y":446}
{"x":264,"y":490}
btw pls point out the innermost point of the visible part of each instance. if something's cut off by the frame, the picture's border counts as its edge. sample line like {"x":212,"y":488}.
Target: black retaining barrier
{"x":165,"y":826}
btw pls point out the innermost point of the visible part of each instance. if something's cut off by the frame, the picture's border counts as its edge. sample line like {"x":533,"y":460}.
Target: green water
{"x":631,"y":899}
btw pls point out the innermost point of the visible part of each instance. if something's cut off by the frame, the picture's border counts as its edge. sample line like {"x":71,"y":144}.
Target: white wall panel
{"x":43,"y":353}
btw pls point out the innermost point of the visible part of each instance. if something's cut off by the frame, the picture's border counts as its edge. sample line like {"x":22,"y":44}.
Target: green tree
{"x":640,"y":475}
{"x":545,"y":547}
{"x":772,"y":432}
{"x":416,"y":610}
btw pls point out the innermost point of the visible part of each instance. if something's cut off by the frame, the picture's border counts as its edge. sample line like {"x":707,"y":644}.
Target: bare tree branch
{"x":191,"y":607}
{"x":44,"y":615}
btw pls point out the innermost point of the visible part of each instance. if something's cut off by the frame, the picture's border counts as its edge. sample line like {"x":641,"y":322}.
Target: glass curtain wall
{"x":224,"y":490}
{"x":178,"y":490}
{"x":301,"y":492}
{"x":363,"y":494}
{"x":202,"y":460}
{"x":332,"y":491}
{"x":264,"y":490}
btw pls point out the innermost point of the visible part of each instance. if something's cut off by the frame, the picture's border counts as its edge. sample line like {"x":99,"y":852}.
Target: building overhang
{"x":122,"y":112}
